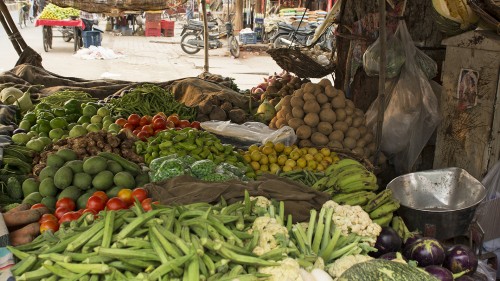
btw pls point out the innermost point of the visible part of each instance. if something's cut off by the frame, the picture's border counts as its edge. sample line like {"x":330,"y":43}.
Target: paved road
{"x":146,"y":59}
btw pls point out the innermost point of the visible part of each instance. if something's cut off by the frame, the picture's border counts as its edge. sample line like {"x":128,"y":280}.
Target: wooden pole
{"x":238,"y":15}
{"x":381,"y":77}
{"x":11,"y":29}
{"x":205,"y":34}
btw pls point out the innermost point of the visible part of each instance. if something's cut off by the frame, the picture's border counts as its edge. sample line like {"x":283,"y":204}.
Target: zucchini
{"x":376,"y":270}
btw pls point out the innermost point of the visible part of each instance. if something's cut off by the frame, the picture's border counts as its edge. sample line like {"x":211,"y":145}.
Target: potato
{"x":311,"y":119}
{"x":295,"y":123}
{"x":280,"y":123}
{"x":362,"y":130}
{"x":328,"y":115}
{"x":330,"y":91}
{"x":368,"y":137}
{"x":297,"y":112}
{"x":325,"y":128}
{"x":340,"y":125}
{"x":309,"y":87}
{"x":286,"y":109}
{"x":281,"y":114}
{"x":322,"y":98}
{"x":358,"y":112}
{"x":319,"y":90}
{"x":372,"y":147}
{"x":305,"y":143}
{"x":311,"y":106}
{"x":359,"y":151}
{"x":336,"y":136}
{"x":361,"y":142}
{"x":288,"y":116}
{"x":335,"y":144}
{"x":303,"y":132}
{"x":324,"y":82}
{"x":338,"y":102}
{"x":349,"y":111}
{"x":350,"y":103}
{"x":348,"y":120}
{"x":299,"y":93}
{"x":296,"y":102}
{"x":319,"y":139}
{"x":340,"y":113}
{"x":367,"y":152}
{"x":272,"y":124}
{"x":309,"y":96}
{"x":326,"y":105}
{"x":358,"y":122}
{"x":295,"y":80}
{"x":349,"y":143}
{"x":353,"y":133}
{"x":286,"y":101}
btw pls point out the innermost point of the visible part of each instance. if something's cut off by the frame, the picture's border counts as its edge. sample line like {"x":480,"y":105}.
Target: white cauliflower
{"x":288,"y":270}
{"x":260,"y":202}
{"x":270,"y":231}
{"x":352,"y":219}
{"x":338,"y":267}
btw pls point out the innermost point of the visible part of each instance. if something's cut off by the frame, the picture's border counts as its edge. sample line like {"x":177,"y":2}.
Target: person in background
{"x":88,"y":19}
{"x":189,"y":11}
{"x":41,"y":5}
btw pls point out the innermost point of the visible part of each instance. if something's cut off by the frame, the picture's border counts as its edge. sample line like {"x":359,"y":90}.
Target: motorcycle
{"x":287,"y":35}
{"x":192,"y":37}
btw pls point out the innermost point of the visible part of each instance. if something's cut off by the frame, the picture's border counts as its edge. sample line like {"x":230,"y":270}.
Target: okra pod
{"x":140,"y":220}
{"x":245,"y":259}
{"x":19,"y":254}
{"x":166,"y":268}
{"x":209,"y":264}
{"x":85,"y":236}
{"x":172,"y":250}
{"x":88,"y":268}
{"x":108,"y":229}
{"x":127,"y":254}
{"x":24,"y":265}
{"x":38,"y":274}
{"x":56,"y":257}
{"x":124,"y":267}
{"x":60,"y":271}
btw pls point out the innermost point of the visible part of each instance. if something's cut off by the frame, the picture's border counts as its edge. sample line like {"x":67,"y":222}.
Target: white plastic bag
{"x":253,"y":132}
{"x":486,"y":270}
{"x":492,"y":182}
{"x":411,"y":114}
{"x":395,"y":57}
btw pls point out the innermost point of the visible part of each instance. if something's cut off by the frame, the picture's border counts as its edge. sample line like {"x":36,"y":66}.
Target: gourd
{"x":375,"y":270}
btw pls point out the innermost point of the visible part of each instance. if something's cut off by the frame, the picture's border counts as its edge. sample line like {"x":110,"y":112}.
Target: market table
{"x":76,"y":25}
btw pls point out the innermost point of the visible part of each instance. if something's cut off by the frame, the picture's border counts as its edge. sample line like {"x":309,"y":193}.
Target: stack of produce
{"x":246,"y":240}
{"x":16,"y":160}
{"x":92,"y":144}
{"x":351,"y":183}
{"x":216,"y":109}
{"x":147,"y":126}
{"x":49,"y":123}
{"x":67,"y":176}
{"x":318,"y":55}
{"x":15,"y":96}
{"x":219,"y":79}
{"x":53,"y":12}
{"x":149,"y":100}
{"x":172,"y":166}
{"x":276,"y":87}
{"x":188,"y":141}
{"x":322,"y":116}
{"x":272,"y":158}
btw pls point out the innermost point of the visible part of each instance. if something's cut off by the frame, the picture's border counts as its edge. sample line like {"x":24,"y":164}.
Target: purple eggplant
{"x":387,"y":241}
{"x":426,"y":251}
{"x":439,"y":272}
{"x":412,"y":239}
{"x":392,"y":256}
{"x":460,"y":258}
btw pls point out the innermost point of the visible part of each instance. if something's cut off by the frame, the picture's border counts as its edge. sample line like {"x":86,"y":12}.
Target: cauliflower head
{"x":271,"y":234}
{"x":338,"y":267}
{"x":352,"y":219}
{"x":288,"y":270}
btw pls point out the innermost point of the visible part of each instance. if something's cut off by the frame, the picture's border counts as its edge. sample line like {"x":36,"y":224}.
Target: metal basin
{"x":438,"y":203}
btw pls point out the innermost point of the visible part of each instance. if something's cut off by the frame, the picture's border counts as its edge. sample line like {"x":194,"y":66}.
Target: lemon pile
{"x":53,"y":12}
{"x":271,"y":158}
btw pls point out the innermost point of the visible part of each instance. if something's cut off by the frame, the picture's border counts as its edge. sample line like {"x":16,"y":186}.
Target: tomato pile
{"x":147,"y":126}
{"x":65,"y":207}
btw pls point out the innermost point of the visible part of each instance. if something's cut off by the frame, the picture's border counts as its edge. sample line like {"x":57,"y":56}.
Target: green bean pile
{"x":58,"y":99}
{"x":149,"y":100}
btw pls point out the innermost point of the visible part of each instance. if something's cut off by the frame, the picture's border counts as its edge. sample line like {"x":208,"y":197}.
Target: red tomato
{"x":129,"y":126}
{"x":61,"y":211}
{"x":116,"y":203}
{"x":145,"y":120}
{"x":156,"y":117}
{"x":80,"y":212}
{"x":66,"y":202}
{"x":136,"y":131}
{"x":49,"y":225}
{"x":38,"y":205}
{"x":121,"y":121}
{"x":95,"y":203}
{"x":143,"y":136}
{"x":159,"y":123}
{"x":139,"y":193}
{"x":101,"y":194}
{"x":69,"y":216}
{"x":162,"y":115}
{"x":196,"y":125}
{"x":134,"y":119}
{"x":126,"y":196}
{"x":174,"y":119}
{"x":47,"y":217}
{"x":89,"y":211}
{"x":146,"y":204}
{"x":184,"y":124}
{"x":148,"y":129}
{"x":170,"y":125}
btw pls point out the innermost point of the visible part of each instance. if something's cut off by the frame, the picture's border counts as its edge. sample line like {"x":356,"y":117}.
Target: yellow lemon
{"x":320,"y":168}
{"x":335,"y":159}
{"x":287,"y":168}
{"x":272,"y":158}
{"x":328,"y":159}
{"x":318,"y":157}
{"x":325,"y":151}
{"x":247,"y":158}
{"x":291,"y":163}
{"x":303,"y":151}
{"x":301,"y":162}
{"x":264,"y":168}
{"x":255,"y":155}
{"x":264,"y":160}
{"x":255,"y":165}
{"x":279,"y":147}
{"x":253,"y":148}
{"x":295,"y":154}
{"x":274,"y":168}
{"x":287,"y":150}
{"x":269,"y":144}
{"x":312,"y":165}
{"x":324,"y":163}
{"x":309,"y":157}
{"x":294,"y":146}
{"x":267,"y":150}
{"x":282,"y":159}
{"x":312,"y":150}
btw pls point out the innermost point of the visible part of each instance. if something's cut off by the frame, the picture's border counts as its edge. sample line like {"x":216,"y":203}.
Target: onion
{"x":306,"y":276}
{"x":387,"y":241}
{"x":460,"y":258}
{"x":439,"y":272}
{"x":321,"y":275}
{"x":426,"y":251}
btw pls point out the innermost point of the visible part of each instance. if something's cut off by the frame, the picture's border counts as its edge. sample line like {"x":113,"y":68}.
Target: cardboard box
{"x":488,"y":217}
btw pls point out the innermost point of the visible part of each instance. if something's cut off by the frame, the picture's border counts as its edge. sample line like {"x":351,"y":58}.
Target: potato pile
{"x":322,"y":116}
{"x":277,"y":86}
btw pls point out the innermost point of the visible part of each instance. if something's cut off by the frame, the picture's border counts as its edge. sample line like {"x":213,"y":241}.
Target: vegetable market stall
{"x":47,"y":31}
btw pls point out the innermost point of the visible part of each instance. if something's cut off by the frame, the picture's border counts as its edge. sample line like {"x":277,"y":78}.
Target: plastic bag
{"x":486,"y":270}
{"x":252,"y":132}
{"x":492,"y":182}
{"x":411,"y":114}
{"x":395,"y":57}
{"x":426,"y":64}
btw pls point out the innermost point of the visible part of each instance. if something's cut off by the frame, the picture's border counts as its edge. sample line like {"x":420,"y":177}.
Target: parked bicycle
{"x":24,"y":14}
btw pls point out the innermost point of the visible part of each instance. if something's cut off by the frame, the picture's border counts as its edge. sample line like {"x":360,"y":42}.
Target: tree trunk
{"x":238,"y":17}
